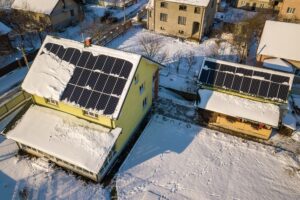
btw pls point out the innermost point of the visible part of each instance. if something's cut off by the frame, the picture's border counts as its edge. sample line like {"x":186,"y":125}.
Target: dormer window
{"x":90,"y":114}
{"x":52,"y":102}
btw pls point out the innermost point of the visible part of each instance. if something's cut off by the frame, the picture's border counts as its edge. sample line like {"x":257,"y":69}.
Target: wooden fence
{"x":106,"y":37}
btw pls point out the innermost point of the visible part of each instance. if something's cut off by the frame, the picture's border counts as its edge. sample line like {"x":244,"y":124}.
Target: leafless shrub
{"x":177,"y":60}
{"x":150,"y":44}
{"x":191,"y":60}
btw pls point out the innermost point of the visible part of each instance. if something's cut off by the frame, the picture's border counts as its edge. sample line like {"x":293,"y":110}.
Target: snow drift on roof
{"x":38,"y":6}
{"x":234,"y":106}
{"x":281,"y":40}
{"x":66,"y":137}
{"x":49,"y":75}
{"x":278,"y":64}
{"x":4,"y":29}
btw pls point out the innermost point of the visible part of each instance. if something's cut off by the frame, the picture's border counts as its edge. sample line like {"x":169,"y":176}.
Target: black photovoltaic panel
{"x":236,"y":85}
{"x":220,"y":79}
{"x":95,"y":78}
{"x":253,"y":82}
{"x":119,"y":86}
{"x":204,"y":75}
{"x":211,"y":77}
{"x":228,"y":80}
{"x":246,"y":84}
{"x":110,"y":108}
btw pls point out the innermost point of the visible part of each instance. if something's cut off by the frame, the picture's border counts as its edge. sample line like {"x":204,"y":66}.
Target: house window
{"x":163,"y":17}
{"x":164,"y":5}
{"x":291,"y":10}
{"x":150,"y":13}
{"x":182,"y":7}
{"x":90,"y":114}
{"x":181,"y":32}
{"x":145,"y":103}
{"x":142,"y":88}
{"x":197,"y":10}
{"x":182,"y":20}
{"x":52,"y":102}
{"x":162,"y":28}
{"x":136,"y":79}
{"x":72,"y":13}
{"x":262,"y":5}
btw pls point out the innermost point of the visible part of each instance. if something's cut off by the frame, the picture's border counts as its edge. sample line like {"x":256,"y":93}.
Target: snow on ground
{"x":234,"y":15}
{"x":12,"y":79}
{"x":170,"y":51}
{"x":18,"y":174}
{"x":175,"y":160}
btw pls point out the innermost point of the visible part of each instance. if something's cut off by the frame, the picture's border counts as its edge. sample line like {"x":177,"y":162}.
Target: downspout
{"x":201,"y":30}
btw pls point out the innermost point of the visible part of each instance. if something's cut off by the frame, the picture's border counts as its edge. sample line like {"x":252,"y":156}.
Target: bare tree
{"x":177,"y":60}
{"x":150,"y":44}
{"x":191,"y":60}
{"x":162,"y":57}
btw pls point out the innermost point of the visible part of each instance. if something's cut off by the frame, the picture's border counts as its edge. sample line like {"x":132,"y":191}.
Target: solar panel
{"x":247,"y":81}
{"x":110,"y":108}
{"x":254,"y":86}
{"x":95,"y":78}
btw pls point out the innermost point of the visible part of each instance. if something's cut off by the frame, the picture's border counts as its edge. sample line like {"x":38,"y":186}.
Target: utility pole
{"x":124,"y":11}
{"x":24,"y":55}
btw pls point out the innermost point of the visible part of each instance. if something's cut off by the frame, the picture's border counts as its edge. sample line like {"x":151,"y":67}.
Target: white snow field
{"x":175,"y":160}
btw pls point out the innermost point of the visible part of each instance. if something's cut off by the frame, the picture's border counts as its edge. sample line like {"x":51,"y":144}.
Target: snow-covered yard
{"x":21,"y":176}
{"x":175,"y":160}
{"x":180,"y":77}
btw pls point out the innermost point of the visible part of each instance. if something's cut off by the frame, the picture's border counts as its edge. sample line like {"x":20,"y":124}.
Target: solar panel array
{"x":97,"y":81}
{"x":251,"y":82}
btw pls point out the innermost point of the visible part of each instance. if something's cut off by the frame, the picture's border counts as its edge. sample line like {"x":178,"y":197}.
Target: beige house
{"x":280,"y":40}
{"x":289,"y":10}
{"x":56,"y":13}
{"x":256,"y":5}
{"x":189,"y":19}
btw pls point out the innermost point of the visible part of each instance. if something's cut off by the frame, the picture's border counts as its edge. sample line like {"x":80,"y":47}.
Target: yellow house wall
{"x":242,"y":127}
{"x":133,"y":112}
{"x":76,"y":111}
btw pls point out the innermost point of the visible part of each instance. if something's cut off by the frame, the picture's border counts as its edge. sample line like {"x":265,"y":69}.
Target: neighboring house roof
{"x":66,"y":137}
{"x":278,"y":64}
{"x":190,"y":2}
{"x":37,"y":6}
{"x":238,"y":107}
{"x":281,"y":40}
{"x":4,"y":29}
{"x":94,"y":78}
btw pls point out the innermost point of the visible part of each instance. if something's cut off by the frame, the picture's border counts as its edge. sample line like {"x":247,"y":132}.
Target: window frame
{"x":163,"y":17}
{"x":182,"y":7}
{"x":142,"y":88}
{"x":90,"y":114}
{"x":197,"y":10}
{"x":181,"y":20}
{"x":163,"y":4}
{"x":145,"y":102}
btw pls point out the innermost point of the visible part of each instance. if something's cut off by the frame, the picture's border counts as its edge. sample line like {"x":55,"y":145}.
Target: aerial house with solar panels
{"x":241,"y":98}
{"x":88,"y":103}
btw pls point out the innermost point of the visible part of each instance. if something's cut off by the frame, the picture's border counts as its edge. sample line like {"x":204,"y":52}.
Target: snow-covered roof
{"x":281,"y":40}
{"x":66,"y":137}
{"x":4,"y":29}
{"x":190,"y":2}
{"x":239,"y":107}
{"x":278,"y":64}
{"x":38,"y":6}
{"x":49,"y":75}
